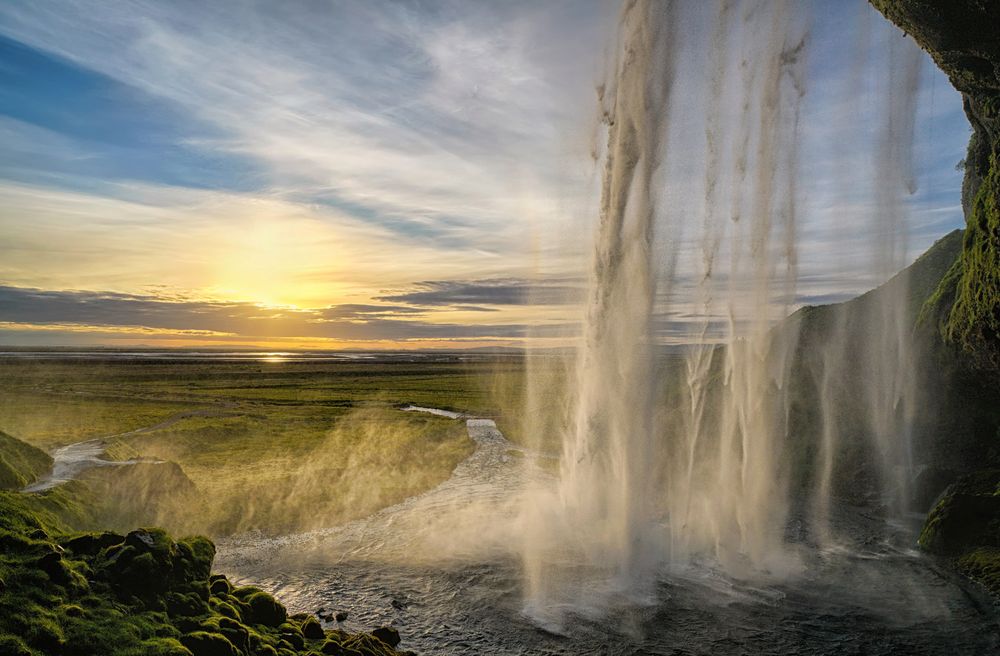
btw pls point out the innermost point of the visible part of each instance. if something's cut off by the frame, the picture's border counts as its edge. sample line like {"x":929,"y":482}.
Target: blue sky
{"x":366,"y":173}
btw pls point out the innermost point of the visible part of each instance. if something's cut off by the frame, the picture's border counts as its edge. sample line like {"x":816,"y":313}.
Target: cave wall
{"x":963,"y":38}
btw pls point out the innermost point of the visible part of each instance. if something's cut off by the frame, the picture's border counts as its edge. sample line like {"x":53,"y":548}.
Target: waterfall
{"x":710,"y":454}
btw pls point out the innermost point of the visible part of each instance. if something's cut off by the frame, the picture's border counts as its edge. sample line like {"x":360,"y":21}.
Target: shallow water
{"x":449,"y":580}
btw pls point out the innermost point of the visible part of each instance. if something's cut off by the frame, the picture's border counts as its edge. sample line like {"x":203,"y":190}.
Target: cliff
{"x":963,"y":39}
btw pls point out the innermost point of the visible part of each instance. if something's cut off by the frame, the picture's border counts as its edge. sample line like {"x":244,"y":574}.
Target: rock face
{"x":961,"y":36}
{"x":963,"y":39}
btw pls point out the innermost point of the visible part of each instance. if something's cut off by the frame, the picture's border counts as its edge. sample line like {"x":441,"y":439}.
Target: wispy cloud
{"x":394,"y":170}
{"x":503,"y":291}
{"x":21,"y":308}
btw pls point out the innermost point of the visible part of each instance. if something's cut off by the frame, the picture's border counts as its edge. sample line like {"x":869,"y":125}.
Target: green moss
{"x":20,"y":463}
{"x":165,"y":647}
{"x":967,"y":516}
{"x":141,"y":594}
{"x":982,"y":565}
{"x":203,"y":643}
{"x":11,"y":645}
{"x":265,"y":610}
{"x":974,"y":320}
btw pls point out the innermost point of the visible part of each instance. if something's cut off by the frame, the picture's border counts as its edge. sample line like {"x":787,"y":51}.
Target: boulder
{"x":312,"y":629}
{"x":202,"y":643}
{"x":966,"y":517}
{"x":265,"y":610}
{"x":388,"y":635}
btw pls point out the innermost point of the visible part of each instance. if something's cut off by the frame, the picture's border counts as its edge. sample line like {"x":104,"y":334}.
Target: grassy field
{"x":271,"y":445}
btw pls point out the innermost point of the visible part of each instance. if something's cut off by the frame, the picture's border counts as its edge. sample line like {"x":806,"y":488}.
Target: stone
{"x":388,"y":635}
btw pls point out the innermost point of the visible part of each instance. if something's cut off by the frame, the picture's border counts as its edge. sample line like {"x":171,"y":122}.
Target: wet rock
{"x":397,"y":604}
{"x":312,"y":629}
{"x":388,"y":635}
{"x":340,"y":616}
{"x":929,"y":484}
{"x":341,"y":644}
{"x":142,"y":538}
{"x":967,"y":516}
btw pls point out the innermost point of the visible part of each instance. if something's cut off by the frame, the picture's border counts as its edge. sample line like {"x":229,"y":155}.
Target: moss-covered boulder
{"x":982,"y":565}
{"x":964,"y":527}
{"x":265,"y":610}
{"x":966,"y":517}
{"x":81,"y":594}
{"x":148,"y":563}
{"x":202,"y":643}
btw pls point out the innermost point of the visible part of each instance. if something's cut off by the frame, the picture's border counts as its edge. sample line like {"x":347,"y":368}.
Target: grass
{"x":20,"y":463}
{"x":272,"y":446}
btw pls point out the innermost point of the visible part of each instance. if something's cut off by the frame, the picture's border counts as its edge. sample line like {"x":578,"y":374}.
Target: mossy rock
{"x":356,"y":645}
{"x":966,"y":517}
{"x":90,"y":544}
{"x":974,"y":320}
{"x":203,"y":643}
{"x":165,"y":647}
{"x":219,"y":585}
{"x":185,"y":604}
{"x":148,"y":563}
{"x":982,"y":565}
{"x":148,"y":594}
{"x":265,"y":610}
{"x":312,"y":629}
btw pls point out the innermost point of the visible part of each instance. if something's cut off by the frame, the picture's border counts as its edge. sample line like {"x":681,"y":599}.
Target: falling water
{"x":730,"y":496}
{"x":665,"y":464}
{"x":606,"y":472}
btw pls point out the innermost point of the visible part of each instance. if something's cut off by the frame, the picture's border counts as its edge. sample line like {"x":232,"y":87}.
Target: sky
{"x":354,"y":174}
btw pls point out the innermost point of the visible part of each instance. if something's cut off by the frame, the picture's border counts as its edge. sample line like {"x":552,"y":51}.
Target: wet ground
{"x":451,"y":582}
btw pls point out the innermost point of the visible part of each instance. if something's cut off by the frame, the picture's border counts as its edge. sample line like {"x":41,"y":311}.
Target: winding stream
{"x":69,"y":461}
{"x":443,"y":568}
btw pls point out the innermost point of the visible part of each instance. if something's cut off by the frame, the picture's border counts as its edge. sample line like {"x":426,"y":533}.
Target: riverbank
{"x":75,"y":593}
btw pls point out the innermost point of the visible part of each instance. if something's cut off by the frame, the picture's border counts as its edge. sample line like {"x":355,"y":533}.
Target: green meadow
{"x":273,"y":446}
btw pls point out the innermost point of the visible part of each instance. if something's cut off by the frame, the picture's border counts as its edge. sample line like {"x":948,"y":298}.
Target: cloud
{"x":23,"y":308}
{"x":502,"y":291}
{"x":328,"y":155}
{"x":415,"y":120}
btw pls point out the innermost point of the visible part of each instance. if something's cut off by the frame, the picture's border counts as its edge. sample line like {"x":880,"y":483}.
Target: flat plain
{"x":272,"y":444}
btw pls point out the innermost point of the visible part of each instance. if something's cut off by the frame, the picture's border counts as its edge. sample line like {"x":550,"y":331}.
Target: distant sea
{"x":212,"y":355}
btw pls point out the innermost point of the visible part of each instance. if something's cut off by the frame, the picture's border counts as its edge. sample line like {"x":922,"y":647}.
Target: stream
{"x":444,"y":568}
